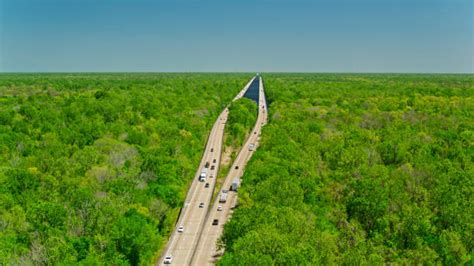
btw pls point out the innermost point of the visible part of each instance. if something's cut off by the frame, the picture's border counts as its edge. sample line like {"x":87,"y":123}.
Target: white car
{"x":168,"y":259}
{"x":181,"y":229}
{"x":219,"y":208}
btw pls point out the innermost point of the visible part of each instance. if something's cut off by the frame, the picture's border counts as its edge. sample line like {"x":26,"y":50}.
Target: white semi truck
{"x":223,"y":197}
{"x":203,"y":175}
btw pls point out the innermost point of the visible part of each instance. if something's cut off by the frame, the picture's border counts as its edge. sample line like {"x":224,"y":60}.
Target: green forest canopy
{"x":241,"y":120}
{"x":94,"y":167}
{"x":359,"y":170}
{"x":353,"y":169}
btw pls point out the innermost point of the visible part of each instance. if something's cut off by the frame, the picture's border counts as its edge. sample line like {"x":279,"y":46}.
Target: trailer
{"x":235,"y":184}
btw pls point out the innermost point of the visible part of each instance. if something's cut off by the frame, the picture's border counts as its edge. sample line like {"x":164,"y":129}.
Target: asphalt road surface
{"x":181,"y":245}
{"x":206,"y":252}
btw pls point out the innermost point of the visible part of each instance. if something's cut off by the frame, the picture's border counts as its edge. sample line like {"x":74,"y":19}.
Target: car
{"x":219,"y":208}
{"x":213,"y":167}
{"x":212,"y":149}
{"x":214,"y":161}
{"x":255,"y":132}
{"x":168,"y":259}
{"x":206,"y":165}
{"x":215,"y":222}
{"x":206,"y":185}
{"x":211,"y":176}
{"x":201,"y":205}
{"x":236,"y":167}
{"x":180,"y":229}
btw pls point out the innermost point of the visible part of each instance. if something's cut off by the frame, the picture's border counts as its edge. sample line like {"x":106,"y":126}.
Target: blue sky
{"x":241,"y":35}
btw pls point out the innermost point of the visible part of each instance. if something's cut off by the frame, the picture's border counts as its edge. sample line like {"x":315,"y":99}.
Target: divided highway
{"x":206,"y":252}
{"x":182,"y":245}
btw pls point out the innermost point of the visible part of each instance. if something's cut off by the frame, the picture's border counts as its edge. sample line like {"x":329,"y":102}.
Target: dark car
{"x":212,"y":149}
{"x":206,"y":165}
{"x":215,"y":222}
{"x":201,"y":205}
{"x":212,"y":167}
{"x":236,"y":167}
{"x":206,"y":185}
{"x":214,"y":161}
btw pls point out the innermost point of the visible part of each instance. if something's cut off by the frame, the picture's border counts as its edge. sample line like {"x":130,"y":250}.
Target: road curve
{"x":182,"y":245}
{"x":206,"y":252}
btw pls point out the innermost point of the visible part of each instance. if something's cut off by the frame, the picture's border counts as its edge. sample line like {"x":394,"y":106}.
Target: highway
{"x":206,"y":252}
{"x":181,"y":245}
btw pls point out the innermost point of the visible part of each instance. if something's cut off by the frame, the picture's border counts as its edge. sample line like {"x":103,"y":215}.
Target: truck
{"x":223,"y":197}
{"x":235,"y":185}
{"x":202,"y":176}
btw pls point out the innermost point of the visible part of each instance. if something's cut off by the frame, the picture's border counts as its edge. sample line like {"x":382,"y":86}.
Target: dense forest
{"x":94,"y":167}
{"x":352,"y":169}
{"x":241,"y":120}
{"x":359,"y":170}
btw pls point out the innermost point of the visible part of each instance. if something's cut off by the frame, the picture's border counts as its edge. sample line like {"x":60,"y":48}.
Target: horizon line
{"x":228,"y":72}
